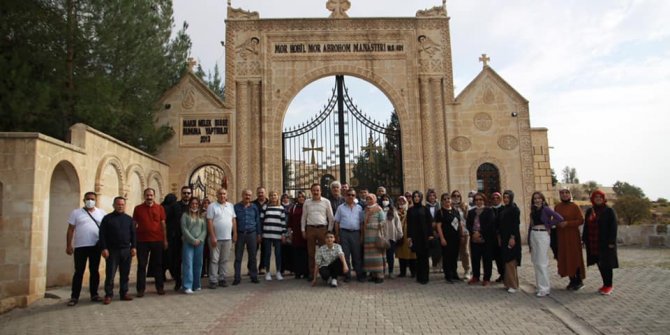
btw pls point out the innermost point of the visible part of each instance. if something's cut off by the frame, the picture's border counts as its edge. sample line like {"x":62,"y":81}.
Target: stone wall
{"x":41,"y":181}
{"x":646,"y":235}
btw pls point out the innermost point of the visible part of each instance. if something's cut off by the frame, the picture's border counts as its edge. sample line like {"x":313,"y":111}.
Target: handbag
{"x":288,"y":236}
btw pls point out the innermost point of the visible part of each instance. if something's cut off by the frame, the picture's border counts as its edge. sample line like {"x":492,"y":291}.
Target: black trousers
{"x":576,"y":279}
{"x":607,"y":273}
{"x":172,"y":259}
{"x":81,"y":255}
{"x":144,"y":250}
{"x":332,"y":270}
{"x":497,"y":256}
{"x":422,"y":267}
{"x":481,"y":253}
{"x":118,"y":259}
{"x":450,"y":259}
{"x":405,"y":264}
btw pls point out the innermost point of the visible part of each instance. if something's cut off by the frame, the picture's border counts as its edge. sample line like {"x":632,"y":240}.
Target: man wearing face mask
{"x":84,"y":226}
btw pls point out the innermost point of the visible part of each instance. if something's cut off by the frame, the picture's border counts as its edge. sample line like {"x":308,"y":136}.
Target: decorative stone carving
{"x":483,"y":121}
{"x":437,"y":11}
{"x":430,"y":55}
{"x":508,"y":142}
{"x":338,"y":8}
{"x":188,"y":100}
{"x":488,"y":96}
{"x":460,"y":143}
{"x":241,"y":14}
{"x":248,"y":49}
{"x":248,"y":57}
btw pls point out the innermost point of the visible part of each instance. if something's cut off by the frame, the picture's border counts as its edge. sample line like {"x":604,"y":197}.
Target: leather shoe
{"x":140,"y":294}
{"x":126,"y":298}
{"x":96,"y":298}
{"x":161,"y":292}
{"x":255,"y":280}
{"x":107,"y":301}
{"x":236,"y":282}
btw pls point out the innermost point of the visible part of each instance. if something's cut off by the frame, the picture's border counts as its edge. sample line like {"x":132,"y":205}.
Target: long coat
{"x":607,"y":230}
{"x":420,"y":226}
{"x":570,"y":257}
{"x":509,"y":221}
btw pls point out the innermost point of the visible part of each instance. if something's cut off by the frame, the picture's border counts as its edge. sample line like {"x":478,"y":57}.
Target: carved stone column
{"x":427,"y":133}
{"x":255,"y":136}
{"x":439,"y":144}
{"x":242,"y":137}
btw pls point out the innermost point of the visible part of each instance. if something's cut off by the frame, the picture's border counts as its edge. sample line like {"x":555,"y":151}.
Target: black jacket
{"x":607,"y":231}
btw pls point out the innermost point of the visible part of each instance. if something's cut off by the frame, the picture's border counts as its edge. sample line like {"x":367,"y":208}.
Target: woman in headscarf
{"x":464,"y":252}
{"x":509,"y":220}
{"x":406,"y":257}
{"x":599,"y":237}
{"x":298,"y":263}
{"x":373,"y":254}
{"x":448,"y":224}
{"x":482,"y":227}
{"x":420,"y":224}
{"x":542,"y":218}
{"x":570,"y":258}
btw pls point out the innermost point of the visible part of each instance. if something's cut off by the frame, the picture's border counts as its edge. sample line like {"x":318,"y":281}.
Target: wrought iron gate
{"x":341,"y":143}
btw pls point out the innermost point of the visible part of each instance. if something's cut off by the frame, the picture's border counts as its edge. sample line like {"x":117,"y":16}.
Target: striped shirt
{"x":273,"y":219}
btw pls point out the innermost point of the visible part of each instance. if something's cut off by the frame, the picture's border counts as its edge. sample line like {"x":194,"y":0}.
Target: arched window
{"x":206,"y":180}
{"x":488,"y":179}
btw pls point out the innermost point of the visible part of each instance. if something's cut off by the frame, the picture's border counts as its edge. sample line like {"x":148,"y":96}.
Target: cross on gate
{"x":485,"y":59}
{"x":313,"y":149}
{"x":371,"y":148}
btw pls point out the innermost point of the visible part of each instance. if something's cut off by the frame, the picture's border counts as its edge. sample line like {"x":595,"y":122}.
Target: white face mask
{"x":355,"y":201}
{"x":89,"y":203}
{"x":385,"y":203}
{"x":195,"y":210}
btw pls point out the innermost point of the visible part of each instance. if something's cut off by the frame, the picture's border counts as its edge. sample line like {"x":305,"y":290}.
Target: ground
{"x":640,"y":304}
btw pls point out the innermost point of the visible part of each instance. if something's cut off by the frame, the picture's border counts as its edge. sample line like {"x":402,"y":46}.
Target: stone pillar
{"x":241,"y":140}
{"x":439,"y":144}
{"x":255,"y":136}
{"x":427,"y":133}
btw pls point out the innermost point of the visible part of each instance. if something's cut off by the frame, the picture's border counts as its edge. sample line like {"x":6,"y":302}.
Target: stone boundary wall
{"x":646,"y":235}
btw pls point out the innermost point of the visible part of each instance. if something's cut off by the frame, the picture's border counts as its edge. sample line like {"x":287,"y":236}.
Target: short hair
{"x":149,"y":189}
{"x":118,"y":198}
{"x":330,"y":233}
{"x":335,"y":184}
{"x":363,"y":189}
{"x":186,"y":186}
{"x":315,"y":184}
{"x":90,"y":193}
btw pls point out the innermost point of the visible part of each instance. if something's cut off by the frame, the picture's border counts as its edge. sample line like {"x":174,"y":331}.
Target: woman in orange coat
{"x":570,"y":259}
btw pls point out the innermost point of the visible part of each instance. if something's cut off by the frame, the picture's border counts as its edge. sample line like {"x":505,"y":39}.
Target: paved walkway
{"x":640,"y":304}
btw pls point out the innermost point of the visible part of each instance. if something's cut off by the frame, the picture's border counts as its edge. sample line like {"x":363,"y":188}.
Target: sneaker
{"x":268,"y":276}
{"x":511,"y":290}
{"x":541,"y":294}
{"x":279,"y":276}
{"x":223,"y":283}
{"x":188,"y":291}
{"x":198,"y":289}
{"x":606,"y":290}
{"x":473,"y":281}
{"x":333,"y":283}
{"x":577,"y":287}
{"x":212,"y":286}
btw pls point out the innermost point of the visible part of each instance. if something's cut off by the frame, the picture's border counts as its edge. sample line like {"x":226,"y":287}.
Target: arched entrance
{"x":64,"y":196}
{"x":488,"y":179}
{"x":343,"y":143}
{"x":206,"y":180}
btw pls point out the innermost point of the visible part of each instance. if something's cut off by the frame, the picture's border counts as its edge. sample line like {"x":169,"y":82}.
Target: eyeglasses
{"x":351,"y":195}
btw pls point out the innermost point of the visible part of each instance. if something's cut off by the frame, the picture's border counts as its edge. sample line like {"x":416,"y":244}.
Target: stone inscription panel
{"x":328,"y":48}
{"x":204,"y":130}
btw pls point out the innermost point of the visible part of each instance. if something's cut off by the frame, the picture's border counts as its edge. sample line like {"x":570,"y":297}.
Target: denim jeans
{"x":191,"y":265}
{"x":268,"y":244}
{"x":248,"y":240}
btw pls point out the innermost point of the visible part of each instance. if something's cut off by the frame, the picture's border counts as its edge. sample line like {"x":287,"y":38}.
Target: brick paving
{"x":640,"y":304}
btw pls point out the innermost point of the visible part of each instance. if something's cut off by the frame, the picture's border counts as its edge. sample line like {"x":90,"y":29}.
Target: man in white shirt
{"x":221,"y":225}
{"x":83,"y":228}
{"x":316,"y":220}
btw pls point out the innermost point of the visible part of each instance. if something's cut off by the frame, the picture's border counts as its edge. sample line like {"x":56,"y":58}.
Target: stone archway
{"x":109,"y":181}
{"x":64,"y":196}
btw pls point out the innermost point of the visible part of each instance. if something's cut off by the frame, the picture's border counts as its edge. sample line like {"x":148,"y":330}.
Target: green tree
{"x":624,"y":188}
{"x":104,"y":63}
{"x":570,"y":175}
{"x":383,"y":167}
{"x":554,"y":179}
{"x":589,"y":187}
{"x":632,"y":209}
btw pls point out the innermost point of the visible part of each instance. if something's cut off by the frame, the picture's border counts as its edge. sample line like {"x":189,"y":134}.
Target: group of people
{"x":349,"y":235}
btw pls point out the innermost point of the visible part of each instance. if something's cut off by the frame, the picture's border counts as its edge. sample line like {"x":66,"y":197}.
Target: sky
{"x":594,"y":71}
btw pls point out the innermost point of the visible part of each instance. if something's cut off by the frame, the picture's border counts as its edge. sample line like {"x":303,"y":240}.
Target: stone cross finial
{"x":229,"y":4}
{"x":190,"y":62}
{"x":485,"y":59}
{"x":338,"y":8}
{"x":312,"y":149}
{"x":371,"y":148}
